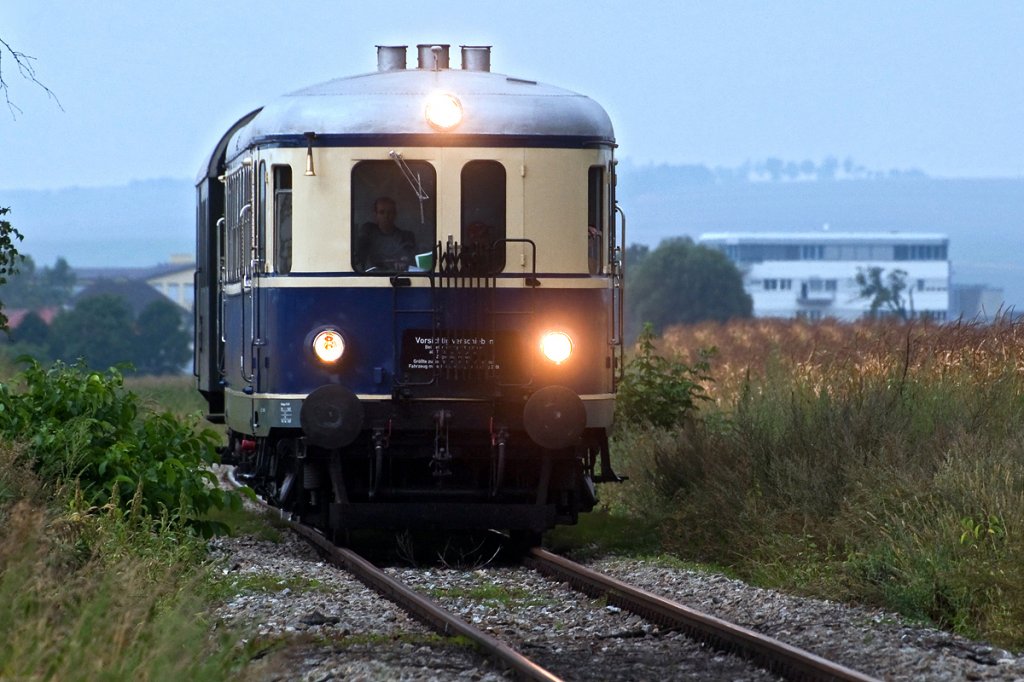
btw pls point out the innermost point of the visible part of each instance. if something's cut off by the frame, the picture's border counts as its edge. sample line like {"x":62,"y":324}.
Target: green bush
{"x":659,"y":391}
{"x":81,"y":427}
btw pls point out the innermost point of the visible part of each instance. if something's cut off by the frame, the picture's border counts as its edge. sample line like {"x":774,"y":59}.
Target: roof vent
{"x":476,"y":57}
{"x":433,"y":57}
{"x":390,"y":57}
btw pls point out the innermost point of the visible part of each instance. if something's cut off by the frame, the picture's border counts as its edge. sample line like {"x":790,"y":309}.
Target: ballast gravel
{"x":310,"y":621}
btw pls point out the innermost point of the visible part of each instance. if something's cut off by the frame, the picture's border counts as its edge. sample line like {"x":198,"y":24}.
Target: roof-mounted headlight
{"x":328,"y":346}
{"x":443,"y":111}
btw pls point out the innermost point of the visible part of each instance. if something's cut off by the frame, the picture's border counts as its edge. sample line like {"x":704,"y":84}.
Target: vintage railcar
{"x":408,"y":297}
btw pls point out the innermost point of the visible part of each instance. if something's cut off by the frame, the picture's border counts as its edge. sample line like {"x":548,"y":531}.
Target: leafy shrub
{"x":659,"y":391}
{"x":83,"y":426}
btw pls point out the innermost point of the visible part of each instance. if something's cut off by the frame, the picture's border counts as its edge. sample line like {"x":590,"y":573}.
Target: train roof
{"x":358,"y":109}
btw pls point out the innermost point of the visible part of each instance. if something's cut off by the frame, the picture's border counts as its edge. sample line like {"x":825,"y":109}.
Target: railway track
{"x":788,"y":661}
{"x":765,"y":652}
{"x":423,"y":608}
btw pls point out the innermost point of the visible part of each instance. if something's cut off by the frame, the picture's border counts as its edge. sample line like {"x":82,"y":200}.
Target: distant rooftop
{"x":137,"y":295}
{"x":178,"y":263}
{"x":823,"y":236}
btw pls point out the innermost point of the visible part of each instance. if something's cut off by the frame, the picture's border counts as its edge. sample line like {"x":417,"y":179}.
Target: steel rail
{"x":422,"y":608}
{"x":781,"y":658}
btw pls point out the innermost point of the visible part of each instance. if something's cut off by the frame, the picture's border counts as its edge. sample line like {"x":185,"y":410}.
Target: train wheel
{"x":521,"y":541}
{"x":342,"y":537}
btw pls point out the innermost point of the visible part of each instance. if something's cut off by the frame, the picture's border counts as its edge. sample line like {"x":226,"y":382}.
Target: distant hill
{"x":134,"y":225}
{"x":143,"y":223}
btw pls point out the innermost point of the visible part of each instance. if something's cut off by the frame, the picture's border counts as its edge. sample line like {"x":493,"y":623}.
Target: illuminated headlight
{"x":443,"y":111}
{"x":556,"y":346}
{"x":328,"y":346}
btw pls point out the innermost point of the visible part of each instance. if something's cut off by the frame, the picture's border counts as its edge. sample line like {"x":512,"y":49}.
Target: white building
{"x":977,"y":302}
{"x":811,"y":275}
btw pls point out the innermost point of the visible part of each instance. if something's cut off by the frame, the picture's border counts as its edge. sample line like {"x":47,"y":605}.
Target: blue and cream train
{"x":471,"y":385}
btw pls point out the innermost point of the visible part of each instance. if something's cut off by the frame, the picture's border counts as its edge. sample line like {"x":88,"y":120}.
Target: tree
{"x":57,"y":283}
{"x":99,"y":329}
{"x":23,"y":62}
{"x":102,"y":331}
{"x":636,"y":254}
{"x":9,"y":256}
{"x":32,"y":288}
{"x":162,"y":342}
{"x":32,"y":331}
{"x":680,"y":282}
{"x":888,"y":294}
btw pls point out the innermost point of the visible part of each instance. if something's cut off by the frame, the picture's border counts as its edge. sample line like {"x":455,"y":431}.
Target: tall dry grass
{"x":843,"y":354}
{"x":882,"y":463}
{"x":97,"y":594}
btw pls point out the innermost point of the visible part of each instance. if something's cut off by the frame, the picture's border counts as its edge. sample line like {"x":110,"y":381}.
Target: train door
{"x":616,"y":221}
{"x":240,"y":307}
{"x":254,"y":334}
{"x":254,"y":229}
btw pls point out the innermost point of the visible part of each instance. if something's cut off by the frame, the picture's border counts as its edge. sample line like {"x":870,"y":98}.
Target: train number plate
{"x":462,"y":355}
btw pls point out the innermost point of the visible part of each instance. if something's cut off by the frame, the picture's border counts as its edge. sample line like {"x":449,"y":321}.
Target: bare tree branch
{"x":26,"y":70}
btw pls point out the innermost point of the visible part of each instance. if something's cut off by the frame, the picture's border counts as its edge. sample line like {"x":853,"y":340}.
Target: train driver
{"x":382,"y":245}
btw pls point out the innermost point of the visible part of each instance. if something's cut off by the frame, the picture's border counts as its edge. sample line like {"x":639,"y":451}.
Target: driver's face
{"x":385,"y":216}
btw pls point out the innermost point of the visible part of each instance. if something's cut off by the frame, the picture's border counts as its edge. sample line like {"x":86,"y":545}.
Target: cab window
{"x":483,"y":217}
{"x":393,"y":219}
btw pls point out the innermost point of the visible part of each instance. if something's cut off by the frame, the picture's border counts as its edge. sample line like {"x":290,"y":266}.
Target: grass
{"x":89,"y":594}
{"x":92,"y":585}
{"x":262,"y":583}
{"x":262,"y":525}
{"x":882,"y":464}
{"x":274,"y":656}
{"x":488,"y":594}
{"x":176,"y":394}
{"x":604,"y":531}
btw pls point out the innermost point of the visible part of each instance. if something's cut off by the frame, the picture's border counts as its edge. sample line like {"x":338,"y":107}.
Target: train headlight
{"x":443,"y":111}
{"x":328,"y":346}
{"x":556,"y":346}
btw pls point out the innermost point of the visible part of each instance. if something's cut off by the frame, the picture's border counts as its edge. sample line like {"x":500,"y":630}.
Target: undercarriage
{"x":427,"y":479}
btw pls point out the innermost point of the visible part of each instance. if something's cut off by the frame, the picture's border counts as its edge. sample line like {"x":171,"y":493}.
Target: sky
{"x":146,"y":88}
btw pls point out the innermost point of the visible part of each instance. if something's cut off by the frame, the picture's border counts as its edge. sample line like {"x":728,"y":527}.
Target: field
{"x":877,"y":463}
{"x":873,"y":463}
{"x":174,"y":393}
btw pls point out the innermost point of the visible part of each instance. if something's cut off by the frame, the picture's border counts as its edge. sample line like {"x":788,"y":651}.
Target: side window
{"x":261,"y":218}
{"x":282,"y":219}
{"x":394,"y":216}
{"x":595,"y":217}
{"x":230,"y":229}
{"x":483,"y":216}
{"x":238,"y":222}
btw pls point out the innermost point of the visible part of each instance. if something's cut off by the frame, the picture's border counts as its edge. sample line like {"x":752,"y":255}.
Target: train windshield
{"x":394,"y":216}
{"x":483,"y":217}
